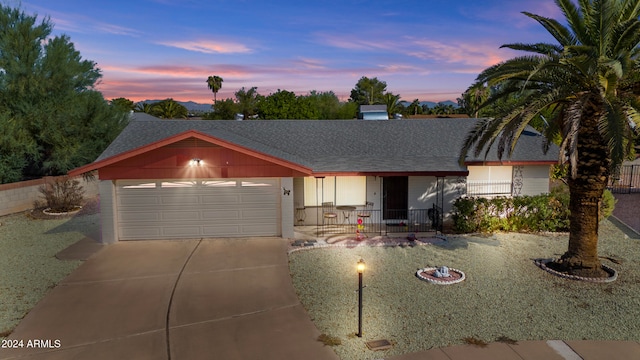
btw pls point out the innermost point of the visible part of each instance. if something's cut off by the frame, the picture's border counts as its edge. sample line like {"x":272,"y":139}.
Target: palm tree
{"x":247,"y":101}
{"x":473,"y":98}
{"x":215,"y":83}
{"x":393,"y":104}
{"x":144,"y":107}
{"x":414,"y":108}
{"x":590,"y":81}
{"x":170,"y":109}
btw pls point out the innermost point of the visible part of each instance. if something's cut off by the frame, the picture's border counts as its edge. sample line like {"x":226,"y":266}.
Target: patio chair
{"x":365,"y":213}
{"x":328,"y":213}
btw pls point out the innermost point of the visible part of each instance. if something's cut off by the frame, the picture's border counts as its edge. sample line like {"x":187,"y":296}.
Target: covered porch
{"x":368,"y":206}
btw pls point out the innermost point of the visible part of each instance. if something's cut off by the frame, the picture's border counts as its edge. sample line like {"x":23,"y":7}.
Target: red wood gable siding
{"x":172,"y":162}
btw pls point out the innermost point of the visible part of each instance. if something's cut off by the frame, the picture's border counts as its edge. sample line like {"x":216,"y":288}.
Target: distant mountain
{"x":432,"y":104}
{"x":190,"y":105}
{"x":197,"y":107}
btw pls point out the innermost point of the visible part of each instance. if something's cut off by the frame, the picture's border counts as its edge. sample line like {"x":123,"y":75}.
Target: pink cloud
{"x":458,"y":56}
{"x":116,"y":30}
{"x":312,"y":64}
{"x":208,"y":46}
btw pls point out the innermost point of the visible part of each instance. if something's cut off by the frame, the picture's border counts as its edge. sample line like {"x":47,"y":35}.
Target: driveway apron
{"x":191,"y":299}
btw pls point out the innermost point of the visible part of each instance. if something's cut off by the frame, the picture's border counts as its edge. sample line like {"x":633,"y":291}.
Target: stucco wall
{"x":20,"y":196}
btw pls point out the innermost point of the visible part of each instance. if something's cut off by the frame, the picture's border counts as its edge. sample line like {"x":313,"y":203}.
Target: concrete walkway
{"x":223,"y":299}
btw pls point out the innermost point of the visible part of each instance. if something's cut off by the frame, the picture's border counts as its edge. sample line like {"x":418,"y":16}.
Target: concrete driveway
{"x":192,"y":299}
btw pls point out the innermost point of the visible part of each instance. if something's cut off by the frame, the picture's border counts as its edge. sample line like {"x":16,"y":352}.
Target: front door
{"x":395,"y":190}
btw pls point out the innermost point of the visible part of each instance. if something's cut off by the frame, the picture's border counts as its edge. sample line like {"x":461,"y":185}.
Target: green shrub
{"x":607,"y":205}
{"x":545,"y":212}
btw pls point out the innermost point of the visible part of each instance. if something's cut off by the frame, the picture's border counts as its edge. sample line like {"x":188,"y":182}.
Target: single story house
{"x":168,"y":179}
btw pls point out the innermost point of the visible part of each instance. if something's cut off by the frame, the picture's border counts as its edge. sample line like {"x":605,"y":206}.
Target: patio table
{"x":346,"y":211}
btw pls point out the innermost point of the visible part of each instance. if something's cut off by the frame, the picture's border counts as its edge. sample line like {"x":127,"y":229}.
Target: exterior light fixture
{"x":195,"y":162}
{"x":360,"y":267}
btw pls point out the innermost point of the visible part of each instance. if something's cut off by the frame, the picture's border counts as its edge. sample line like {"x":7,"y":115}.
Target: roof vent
{"x":373,"y":112}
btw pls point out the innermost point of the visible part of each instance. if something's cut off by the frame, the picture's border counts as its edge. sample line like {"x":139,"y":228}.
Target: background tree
{"x":48,"y":105}
{"x":393,"y":104}
{"x":214,"y":83}
{"x":473,"y":98}
{"x":414,"y":108}
{"x":144,"y":107}
{"x":169,"y":109}
{"x":124,"y":104}
{"x":589,"y":81}
{"x":224,"y":110}
{"x":368,"y":91}
{"x":247,"y":101}
{"x":282,"y":104}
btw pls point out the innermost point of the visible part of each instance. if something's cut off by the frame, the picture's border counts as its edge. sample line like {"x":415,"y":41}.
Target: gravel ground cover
{"x":505,"y":297}
{"x":28,"y":266}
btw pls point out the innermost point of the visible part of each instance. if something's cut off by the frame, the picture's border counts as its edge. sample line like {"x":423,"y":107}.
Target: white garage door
{"x":173,"y":209}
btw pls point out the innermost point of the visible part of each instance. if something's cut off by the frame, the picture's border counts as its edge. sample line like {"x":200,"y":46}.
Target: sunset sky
{"x":431,"y":50}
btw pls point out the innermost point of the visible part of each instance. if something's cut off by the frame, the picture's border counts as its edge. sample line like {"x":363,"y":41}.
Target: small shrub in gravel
{"x":62,"y":194}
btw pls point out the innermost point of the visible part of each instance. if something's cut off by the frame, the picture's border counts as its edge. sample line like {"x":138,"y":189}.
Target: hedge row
{"x":546,"y":212}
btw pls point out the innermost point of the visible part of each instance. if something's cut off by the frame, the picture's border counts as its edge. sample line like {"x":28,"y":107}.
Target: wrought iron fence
{"x":628,"y":181}
{"x":486,"y":188}
{"x":387,"y":221}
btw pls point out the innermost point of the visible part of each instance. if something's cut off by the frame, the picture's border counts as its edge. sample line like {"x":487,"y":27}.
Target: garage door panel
{"x":179,"y":199}
{"x":181,"y":231}
{"x":137,"y":201}
{"x":180,"y":215}
{"x":138,"y":216}
{"x":216,"y":199}
{"x":260,"y":230}
{"x":256,"y":214}
{"x":257,"y":198}
{"x":221,"y":230}
{"x":221,"y":215}
{"x":140,"y":232}
{"x":231,"y":208}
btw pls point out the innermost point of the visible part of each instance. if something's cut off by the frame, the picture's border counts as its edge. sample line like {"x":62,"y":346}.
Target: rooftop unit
{"x":373,"y":112}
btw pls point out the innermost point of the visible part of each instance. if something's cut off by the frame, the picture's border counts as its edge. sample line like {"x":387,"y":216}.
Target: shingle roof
{"x":335,"y":146}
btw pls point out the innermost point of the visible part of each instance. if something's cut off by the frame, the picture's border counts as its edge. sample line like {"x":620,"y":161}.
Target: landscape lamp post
{"x":360,"y":268}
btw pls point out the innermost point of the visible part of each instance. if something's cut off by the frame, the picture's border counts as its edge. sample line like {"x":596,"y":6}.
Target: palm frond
{"x":539,"y":48}
{"x":557,"y":30}
{"x":574,"y":18}
{"x":614,"y":128}
{"x":627,"y":36}
{"x":571,"y":126}
{"x":630,"y":10}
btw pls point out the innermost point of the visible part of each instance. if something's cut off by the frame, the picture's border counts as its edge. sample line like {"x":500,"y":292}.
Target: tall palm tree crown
{"x":214,"y":83}
{"x":590,"y":82}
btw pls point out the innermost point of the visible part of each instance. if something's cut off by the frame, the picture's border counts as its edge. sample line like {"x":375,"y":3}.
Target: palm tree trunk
{"x":586,"y":191}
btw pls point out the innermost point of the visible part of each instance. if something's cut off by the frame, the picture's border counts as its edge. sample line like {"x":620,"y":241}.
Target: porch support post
{"x":108,"y":215}
{"x":287,"y":210}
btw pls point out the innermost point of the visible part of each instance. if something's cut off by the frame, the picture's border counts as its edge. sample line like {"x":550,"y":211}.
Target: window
{"x":178,"y":184}
{"x":218,"y":183}
{"x":341,"y":190}
{"x":489,"y":180}
{"x":142,"y":185}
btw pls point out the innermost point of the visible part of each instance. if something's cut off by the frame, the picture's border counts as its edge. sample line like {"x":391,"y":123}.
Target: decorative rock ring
{"x":613,"y":274}
{"x":426,"y":274}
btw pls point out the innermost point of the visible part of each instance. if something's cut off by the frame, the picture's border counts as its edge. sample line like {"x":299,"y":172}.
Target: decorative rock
{"x":542,"y":263}
{"x":428,"y":274}
{"x":442,"y":272}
